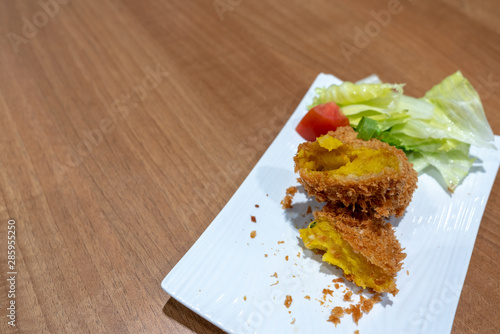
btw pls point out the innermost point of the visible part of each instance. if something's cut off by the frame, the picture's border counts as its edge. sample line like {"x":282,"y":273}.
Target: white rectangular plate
{"x":228,"y":278}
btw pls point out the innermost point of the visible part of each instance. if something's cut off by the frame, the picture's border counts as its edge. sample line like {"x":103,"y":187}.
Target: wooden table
{"x":122,"y":120}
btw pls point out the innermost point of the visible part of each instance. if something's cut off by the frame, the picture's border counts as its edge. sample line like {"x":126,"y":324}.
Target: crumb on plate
{"x":288,"y":301}
{"x":327,"y":291}
{"x":366,"y":304}
{"x":336,"y":314}
{"x":355,"y":311}
{"x":286,"y":202}
{"x":347,"y":296}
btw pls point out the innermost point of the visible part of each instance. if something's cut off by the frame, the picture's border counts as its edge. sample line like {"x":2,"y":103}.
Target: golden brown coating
{"x":368,"y":175}
{"x":371,"y":237}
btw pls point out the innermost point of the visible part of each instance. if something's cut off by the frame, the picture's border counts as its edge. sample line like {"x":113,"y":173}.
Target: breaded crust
{"x":383,"y":194}
{"x":373,"y":238}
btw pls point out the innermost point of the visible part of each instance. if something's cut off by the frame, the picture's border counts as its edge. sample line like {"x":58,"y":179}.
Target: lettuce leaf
{"x":452,"y":165}
{"x":459,"y":106}
{"x":383,"y":96}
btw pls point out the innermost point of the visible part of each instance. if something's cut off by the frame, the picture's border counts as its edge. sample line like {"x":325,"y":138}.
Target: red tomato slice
{"x":321,"y":119}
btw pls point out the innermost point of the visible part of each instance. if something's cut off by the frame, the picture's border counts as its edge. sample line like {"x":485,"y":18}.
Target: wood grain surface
{"x":121,"y":123}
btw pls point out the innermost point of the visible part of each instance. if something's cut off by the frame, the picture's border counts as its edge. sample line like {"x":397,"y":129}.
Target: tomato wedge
{"x":321,"y":119}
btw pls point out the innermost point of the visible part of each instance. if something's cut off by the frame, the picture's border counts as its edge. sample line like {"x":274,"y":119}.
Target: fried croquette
{"x":368,"y":175}
{"x":364,"y":247}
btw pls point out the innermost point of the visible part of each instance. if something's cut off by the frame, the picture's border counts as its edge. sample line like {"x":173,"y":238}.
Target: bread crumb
{"x":355,"y":311}
{"x":338,"y":280}
{"x":307,"y":297}
{"x":366,"y":304}
{"x":286,"y":202}
{"x":309,"y":210}
{"x":293,"y":321}
{"x":337,"y":313}
{"x":280,"y":242}
{"x":356,"y":331}
{"x":288,"y":301}
{"x":244,"y":298}
{"x":327,"y":291}
{"x":286,"y":257}
{"x":337,"y":286}
{"x":298,"y":254}
{"x":253,"y":219}
{"x":275,"y":275}
{"x":253,"y":234}
{"x":275,"y":283}
{"x":407,"y":272}
{"x":256,"y":205}
{"x":265,"y":255}
{"x":347,"y":296}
